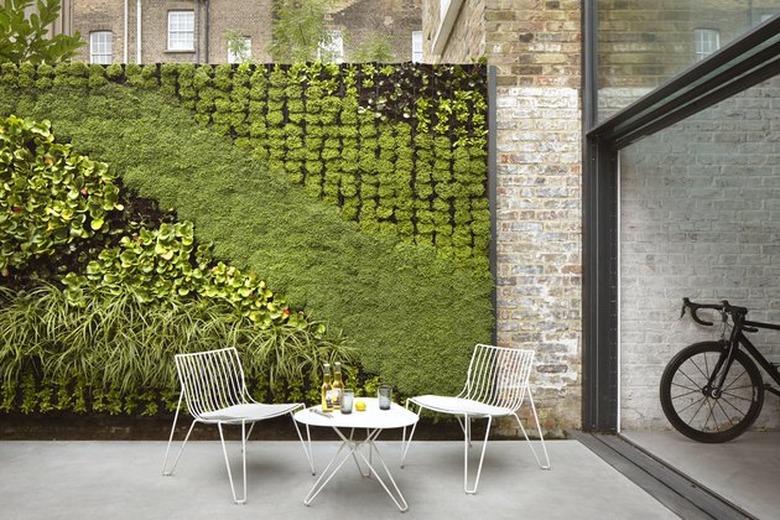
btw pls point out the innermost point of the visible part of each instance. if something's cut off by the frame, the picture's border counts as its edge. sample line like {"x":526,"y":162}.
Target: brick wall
{"x":394,"y":19}
{"x":359,"y":19}
{"x":644,"y":43}
{"x":535,"y":46}
{"x":466,"y":42}
{"x":699,"y":210}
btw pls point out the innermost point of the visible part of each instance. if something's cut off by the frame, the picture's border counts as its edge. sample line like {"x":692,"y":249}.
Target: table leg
{"x":354,"y":451}
{"x":400,"y":501}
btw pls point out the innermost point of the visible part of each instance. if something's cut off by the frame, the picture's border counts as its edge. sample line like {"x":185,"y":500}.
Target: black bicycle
{"x":713,"y":391}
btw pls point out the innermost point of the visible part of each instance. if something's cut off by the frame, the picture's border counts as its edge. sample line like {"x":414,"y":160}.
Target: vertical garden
{"x":300,"y":213}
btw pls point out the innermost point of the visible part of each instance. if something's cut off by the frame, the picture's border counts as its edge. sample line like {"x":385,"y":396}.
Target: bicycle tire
{"x":680,"y":424}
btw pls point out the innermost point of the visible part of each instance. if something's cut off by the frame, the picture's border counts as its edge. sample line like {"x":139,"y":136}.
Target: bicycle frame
{"x":738,"y":338}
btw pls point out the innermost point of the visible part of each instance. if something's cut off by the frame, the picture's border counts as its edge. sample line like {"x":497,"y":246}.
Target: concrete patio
{"x":744,"y":471}
{"x":121,"y":480}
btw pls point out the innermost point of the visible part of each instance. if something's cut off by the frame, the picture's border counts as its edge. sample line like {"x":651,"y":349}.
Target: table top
{"x":396,"y":417}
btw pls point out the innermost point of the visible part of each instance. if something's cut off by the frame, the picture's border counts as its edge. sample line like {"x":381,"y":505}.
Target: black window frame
{"x":752,"y":58}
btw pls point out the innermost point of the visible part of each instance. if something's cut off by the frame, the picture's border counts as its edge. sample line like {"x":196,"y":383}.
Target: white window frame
{"x":334,"y":50}
{"x":705,"y":42}
{"x":177,"y":44}
{"x":245,"y":54}
{"x":101,"y":47}
{"x":417,"y":46}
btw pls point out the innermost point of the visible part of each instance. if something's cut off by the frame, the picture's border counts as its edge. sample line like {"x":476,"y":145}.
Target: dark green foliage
{"x":412,"y":314}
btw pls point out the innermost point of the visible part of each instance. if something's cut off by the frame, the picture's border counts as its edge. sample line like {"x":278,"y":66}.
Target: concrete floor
{"x":121,"y":480}
{"x":745,"y":471}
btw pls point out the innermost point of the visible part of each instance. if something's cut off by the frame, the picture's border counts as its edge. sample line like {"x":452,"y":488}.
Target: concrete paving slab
{"x":745,"y":471}
{"x":121,"y":480}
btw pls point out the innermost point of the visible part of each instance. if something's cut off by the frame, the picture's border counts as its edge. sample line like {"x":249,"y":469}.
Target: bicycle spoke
{"x":733,"y":381}
{"x":690,"y":405}
{"x":706,"y":365}
{"x":731,"y":405}
{"x":714,"y":418}
{"x":706,"y":377}
{"x":680,"y":370}
{"x":737,"y":388}
{"x":724,"y":412}
{"x":735,"y":396}
{"x":686,"y":393}
{"x":703,"y":400}
{"x":711,"y":414}
{"x":687,"y":387}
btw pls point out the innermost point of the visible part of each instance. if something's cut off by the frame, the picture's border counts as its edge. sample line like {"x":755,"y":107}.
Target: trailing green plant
{"x":121,"y":344}
{"x":24,"y":33}
{"x":49,"y":195}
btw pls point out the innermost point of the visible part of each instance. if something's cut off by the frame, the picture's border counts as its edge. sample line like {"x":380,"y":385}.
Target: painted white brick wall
{"x":539,"y":241}
{"x":700,"y":217}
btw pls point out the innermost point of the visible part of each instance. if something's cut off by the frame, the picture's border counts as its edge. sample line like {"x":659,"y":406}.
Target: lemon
{"x":360,"y":406}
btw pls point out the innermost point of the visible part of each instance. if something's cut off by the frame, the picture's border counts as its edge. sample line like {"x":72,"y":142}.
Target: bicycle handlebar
{"x":723,"y":307}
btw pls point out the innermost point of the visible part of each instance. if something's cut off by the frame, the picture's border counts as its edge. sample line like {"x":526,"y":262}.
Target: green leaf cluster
{"x":159,"y":264}
{"x":49,"y":195}
{"x":24,"y":33}
{"x":412,"y":314}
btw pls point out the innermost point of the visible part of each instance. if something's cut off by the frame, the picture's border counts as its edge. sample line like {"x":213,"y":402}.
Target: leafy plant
{"x":299,"y":30}
{"x":26,"y":38}
{"x":156,"y":265}
{"x":376,"y":47}
{"x":49,"y":195}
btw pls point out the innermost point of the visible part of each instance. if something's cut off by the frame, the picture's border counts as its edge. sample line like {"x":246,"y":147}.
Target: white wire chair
{"x":496,"y":386}
{"x":214,"y":389}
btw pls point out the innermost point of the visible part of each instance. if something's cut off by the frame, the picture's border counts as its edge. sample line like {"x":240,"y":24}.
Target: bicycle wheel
{"x":700,"y":415}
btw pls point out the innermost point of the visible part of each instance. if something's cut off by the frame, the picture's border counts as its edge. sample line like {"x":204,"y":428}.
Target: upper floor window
{"x":101,"y":45}
{"x":332,"y":50}
{"x":706,"y":41}
{"x":181,"y":31}
{"x":417,"y":46}
{"x":239,"y":49}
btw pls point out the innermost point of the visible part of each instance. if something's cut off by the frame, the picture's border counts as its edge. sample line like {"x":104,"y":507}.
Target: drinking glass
{"x":385,"y":394}
{"x":346,"y":400}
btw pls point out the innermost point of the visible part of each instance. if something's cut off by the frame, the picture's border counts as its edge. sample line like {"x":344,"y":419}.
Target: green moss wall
{"x":413,"y":314}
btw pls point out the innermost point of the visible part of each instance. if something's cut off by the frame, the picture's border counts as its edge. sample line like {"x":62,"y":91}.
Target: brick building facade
{"x":535,"y":47}
{"x":204,"y":27}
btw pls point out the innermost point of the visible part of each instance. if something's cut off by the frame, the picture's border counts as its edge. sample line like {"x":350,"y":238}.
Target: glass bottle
{"x":326,"y":389}
{"x":338,"y":385}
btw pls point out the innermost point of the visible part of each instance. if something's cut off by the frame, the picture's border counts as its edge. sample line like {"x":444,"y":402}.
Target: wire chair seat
{"x":496,"y":386}
{"x":248,"y":412}
{"x":459,"y":406}
{"x":214,"y":391}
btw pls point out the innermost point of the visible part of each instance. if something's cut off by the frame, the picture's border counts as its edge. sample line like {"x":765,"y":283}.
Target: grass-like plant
{"x":120,"y":341}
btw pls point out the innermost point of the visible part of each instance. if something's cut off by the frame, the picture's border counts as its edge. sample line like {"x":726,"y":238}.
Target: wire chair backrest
{"x":498,"y":376}
{"x":211,"y":380}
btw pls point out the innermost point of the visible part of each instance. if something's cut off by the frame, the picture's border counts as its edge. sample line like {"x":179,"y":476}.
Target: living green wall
{"x":368,"y":243}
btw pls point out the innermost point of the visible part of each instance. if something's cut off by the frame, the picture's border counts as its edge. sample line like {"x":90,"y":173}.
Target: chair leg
{"x":541,"y":437}
{"x":473,"y":491}
{"x":227,"y":462}
{"x":306,"y":450}
{"x":411,"y":434}
{"x":170,"y":440}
